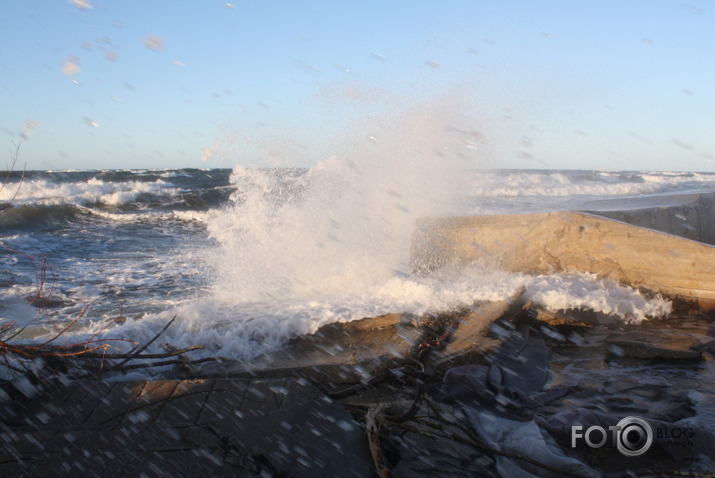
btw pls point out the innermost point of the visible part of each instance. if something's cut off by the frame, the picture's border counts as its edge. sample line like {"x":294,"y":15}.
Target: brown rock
{"x":570,"y":242}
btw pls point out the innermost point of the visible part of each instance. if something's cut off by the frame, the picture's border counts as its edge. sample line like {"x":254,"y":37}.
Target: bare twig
{"x":136,"y":354}
{"x":53,"y":352}
{"x":167,"y":362}
{"x":132,"y":356}
{"x":40,"y":298}
{"x":161,"y":401}
{"x":11,"y":167}
{"x":74,"y":321}
{"x":19,"y":183}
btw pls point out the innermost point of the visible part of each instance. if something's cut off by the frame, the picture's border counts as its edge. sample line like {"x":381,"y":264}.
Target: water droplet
{"x":682,"y":144}
{"x":153,"y":42}
{"x":81,"y":4}
{"x":71,"y":66}
{"x":28,"y":128}
{"x":111,"y":55}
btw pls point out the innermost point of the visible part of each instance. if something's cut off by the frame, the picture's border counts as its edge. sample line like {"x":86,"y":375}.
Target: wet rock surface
{"x":488,"y":390}
{"x":278,"y":427}
{"x":569,"y":242}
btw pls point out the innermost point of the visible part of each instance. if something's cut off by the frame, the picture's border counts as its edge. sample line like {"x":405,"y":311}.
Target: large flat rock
{"x":567,"y":242}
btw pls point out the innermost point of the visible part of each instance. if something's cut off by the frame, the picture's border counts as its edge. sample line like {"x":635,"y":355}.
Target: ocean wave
{"x":510,"y":184}
{"x":186,"y":216}
{"x":92,"y":191}
{"x":123,"y":190}
{"x":275,"y":253}
{"x":38,"y":217}
{"x":245,"y":329}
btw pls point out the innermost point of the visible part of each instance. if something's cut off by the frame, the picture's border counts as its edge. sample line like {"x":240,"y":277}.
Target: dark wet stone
{"x":682,"y":439}
{"x":640,"y":349}
{"x":513,"y":378}
{"x":222,"y":428}
{"x":676,"y":337}
{"x":419,"y":454}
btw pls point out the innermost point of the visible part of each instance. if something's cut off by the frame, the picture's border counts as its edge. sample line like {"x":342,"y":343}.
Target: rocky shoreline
{"x":490,"y":390}
{"x":504,"y":388}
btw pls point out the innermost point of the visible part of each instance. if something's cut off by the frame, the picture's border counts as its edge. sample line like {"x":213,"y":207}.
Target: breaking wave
{"x":294,"y":249}
{"x":507,"y":184}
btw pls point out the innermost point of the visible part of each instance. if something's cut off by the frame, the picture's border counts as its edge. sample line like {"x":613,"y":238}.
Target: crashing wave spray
{"x":296,"y":249}
{"x":344,"y":227}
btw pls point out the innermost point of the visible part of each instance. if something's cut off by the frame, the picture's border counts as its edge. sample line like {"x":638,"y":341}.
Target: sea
{"x":246,"y":258}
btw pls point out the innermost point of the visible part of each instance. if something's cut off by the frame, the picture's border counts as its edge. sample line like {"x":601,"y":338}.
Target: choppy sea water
{"x":246,"y":258}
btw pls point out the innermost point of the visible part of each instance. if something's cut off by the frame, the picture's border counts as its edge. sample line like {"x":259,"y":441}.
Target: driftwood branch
{"x":372,"y":429}
{"x":95,"y":349}
{"x":167,"y":362}
{"x":131,"y":356}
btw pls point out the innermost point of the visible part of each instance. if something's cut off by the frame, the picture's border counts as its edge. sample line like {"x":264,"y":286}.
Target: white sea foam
{"x":191,"y":216}
{"x":511,"y":191}
{"x":508,"y":184}
{"x":586,"y":291}
{"x":152,"y":216}
{"x":41,"y":191}
{"x":250,"y":328}
{"x":343,"y":226}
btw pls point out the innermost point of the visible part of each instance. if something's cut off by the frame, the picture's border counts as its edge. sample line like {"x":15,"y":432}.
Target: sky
{"x":563,"y":84}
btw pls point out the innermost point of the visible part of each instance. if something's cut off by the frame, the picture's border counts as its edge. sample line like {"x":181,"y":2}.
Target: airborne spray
{"x":344,"y":227}
{"x":296,"y":249}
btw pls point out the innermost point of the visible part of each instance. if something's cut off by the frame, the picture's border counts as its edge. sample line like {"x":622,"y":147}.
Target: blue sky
{"x":606,"y":84}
